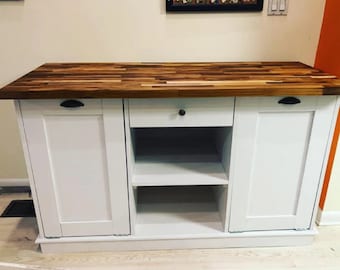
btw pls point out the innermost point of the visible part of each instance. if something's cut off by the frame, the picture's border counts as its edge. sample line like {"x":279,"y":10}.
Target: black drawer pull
{"x":72,"y":103}
{"x":290,"y":101}
{"x":181,"y":112}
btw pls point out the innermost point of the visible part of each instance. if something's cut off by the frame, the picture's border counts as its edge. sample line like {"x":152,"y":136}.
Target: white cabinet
{"x":277,"y":156}
{"x":144,"y":176}
{"x":77,"y":157}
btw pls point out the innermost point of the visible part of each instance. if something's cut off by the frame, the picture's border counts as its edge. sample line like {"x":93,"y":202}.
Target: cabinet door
{"x":78,"y":162}
{"x":277,"y":157}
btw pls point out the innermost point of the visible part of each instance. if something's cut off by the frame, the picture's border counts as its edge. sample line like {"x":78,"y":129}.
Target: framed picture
{"x":214,"y":5}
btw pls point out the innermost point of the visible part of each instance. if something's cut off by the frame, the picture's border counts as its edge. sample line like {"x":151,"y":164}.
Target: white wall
{"x":12,"y":163}
{"x":37,"y":31}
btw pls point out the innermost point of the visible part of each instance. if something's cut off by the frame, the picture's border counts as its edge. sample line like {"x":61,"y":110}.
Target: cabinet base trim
{"x":223,"y":240}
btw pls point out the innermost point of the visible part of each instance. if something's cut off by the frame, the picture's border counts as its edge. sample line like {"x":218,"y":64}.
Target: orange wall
{"x":328,"y":59}
{"x":328,"y":54}
{"x":330,"y":163}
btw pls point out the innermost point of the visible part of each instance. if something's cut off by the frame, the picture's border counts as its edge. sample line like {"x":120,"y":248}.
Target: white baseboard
{"x":14,"y":182}
{"x":326,"y":218}
{"x":185,"y":241}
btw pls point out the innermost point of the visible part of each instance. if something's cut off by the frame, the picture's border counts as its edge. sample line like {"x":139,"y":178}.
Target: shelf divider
{"x":178,"y":173}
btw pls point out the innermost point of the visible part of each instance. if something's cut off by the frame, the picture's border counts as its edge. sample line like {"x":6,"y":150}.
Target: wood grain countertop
{"x":148,"y":80}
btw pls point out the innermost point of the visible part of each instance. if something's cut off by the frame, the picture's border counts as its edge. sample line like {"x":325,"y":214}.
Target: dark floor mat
{"x":19,"y":208}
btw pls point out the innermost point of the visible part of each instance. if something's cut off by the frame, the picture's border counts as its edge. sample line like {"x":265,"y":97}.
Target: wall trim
{"x":14,"y":182}
{"x":325,"y":218}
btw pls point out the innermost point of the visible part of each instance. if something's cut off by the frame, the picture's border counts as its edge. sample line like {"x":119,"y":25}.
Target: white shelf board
{"x":177,"y":219}
{"x":166,"y":173}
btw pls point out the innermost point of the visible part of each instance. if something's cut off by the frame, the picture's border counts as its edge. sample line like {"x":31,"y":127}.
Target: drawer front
{"x":181,"y":112}
{"x":63,"y":106}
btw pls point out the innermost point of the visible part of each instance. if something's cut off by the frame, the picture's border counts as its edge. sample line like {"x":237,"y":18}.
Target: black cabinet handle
{"x":181,"y":112}
{"x":289,"y":101}
{"x":72,"y":103}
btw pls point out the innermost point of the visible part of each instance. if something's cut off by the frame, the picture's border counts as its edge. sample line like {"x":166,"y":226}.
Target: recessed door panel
{"x":79,"y":168}
{"x":276,"y":162}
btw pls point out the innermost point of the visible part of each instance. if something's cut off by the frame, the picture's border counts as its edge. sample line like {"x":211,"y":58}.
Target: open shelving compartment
{"x":179,"y":179}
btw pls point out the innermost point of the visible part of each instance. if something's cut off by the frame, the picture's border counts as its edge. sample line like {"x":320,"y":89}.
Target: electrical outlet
{"x":277,"y":7}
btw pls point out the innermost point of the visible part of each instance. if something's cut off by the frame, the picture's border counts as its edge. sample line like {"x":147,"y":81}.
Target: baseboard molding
{"x":326,"y":218}
{"x":14,"y":182}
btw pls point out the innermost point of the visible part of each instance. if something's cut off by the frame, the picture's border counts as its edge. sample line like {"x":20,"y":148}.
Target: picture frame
{"x":213,"y":5}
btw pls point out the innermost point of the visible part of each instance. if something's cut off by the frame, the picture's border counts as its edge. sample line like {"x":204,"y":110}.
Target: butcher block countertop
{"x":148,"y":80}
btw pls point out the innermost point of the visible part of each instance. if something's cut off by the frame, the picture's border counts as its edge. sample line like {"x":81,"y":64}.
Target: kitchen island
{"x":175,"y":155}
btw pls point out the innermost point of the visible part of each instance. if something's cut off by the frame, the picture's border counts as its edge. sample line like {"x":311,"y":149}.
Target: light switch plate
{"x":277,"y":7}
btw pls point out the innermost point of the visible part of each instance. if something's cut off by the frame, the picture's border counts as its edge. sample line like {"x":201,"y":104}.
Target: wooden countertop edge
{"x":105,"y":94}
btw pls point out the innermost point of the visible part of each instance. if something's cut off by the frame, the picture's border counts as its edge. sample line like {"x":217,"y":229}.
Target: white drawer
{"x":181,"y":112}
{"x":58,"y":106}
